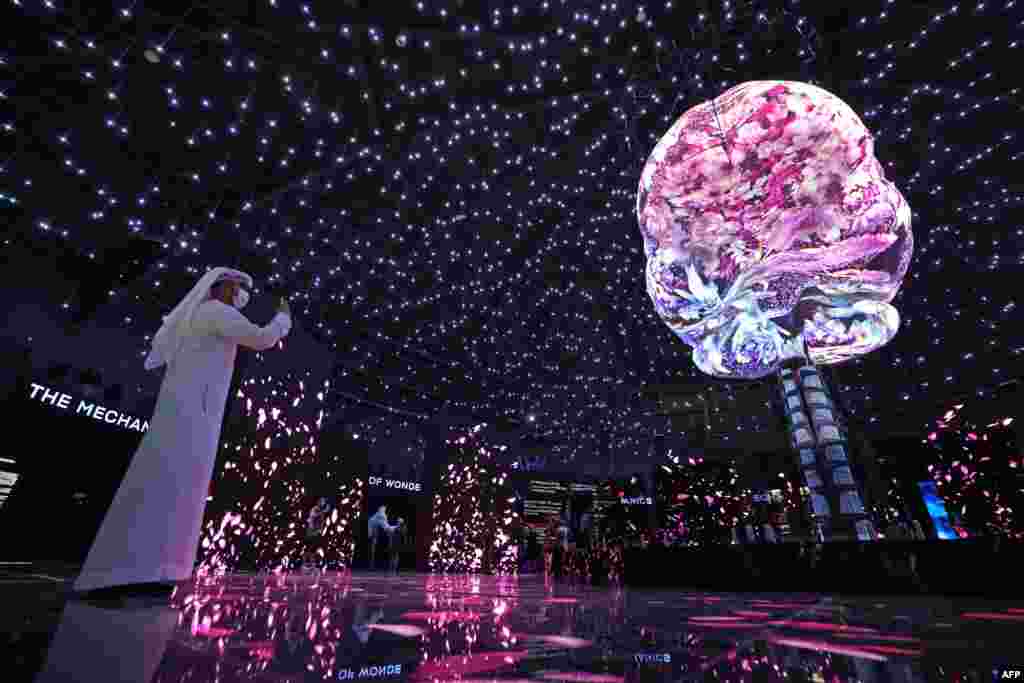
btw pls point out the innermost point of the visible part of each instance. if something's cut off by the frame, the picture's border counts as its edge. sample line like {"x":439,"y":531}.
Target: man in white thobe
{"x":150,"y":534}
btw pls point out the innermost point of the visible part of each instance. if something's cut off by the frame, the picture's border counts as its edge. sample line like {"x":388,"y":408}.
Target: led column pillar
{"x":824,"y":456}
{"x":803,"y":440}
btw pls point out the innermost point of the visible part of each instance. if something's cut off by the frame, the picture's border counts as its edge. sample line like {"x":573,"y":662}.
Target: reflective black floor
{"x":421,"y":628}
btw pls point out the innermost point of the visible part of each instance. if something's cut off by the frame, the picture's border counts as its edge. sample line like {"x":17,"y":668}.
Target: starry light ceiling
{"x":448,"y":188}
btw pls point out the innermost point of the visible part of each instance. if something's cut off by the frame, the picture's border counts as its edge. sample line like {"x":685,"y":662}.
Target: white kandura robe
{"x":151,"y":531}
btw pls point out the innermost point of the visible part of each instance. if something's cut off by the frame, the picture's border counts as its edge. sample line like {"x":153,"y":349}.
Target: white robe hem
{"x":92,"y":580}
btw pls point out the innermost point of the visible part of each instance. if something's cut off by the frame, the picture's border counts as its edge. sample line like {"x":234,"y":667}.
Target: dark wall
{"x":65,"y":455}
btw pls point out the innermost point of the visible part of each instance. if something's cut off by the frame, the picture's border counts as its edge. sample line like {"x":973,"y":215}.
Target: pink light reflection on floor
{"x":992,"y":616}
{"x":581,"y":677}
{"x":569,"y":642}
{"x":460,"y":665}
{"x":894,"y":651}
{"x":726,"y":625}
{"x":766,"y":604}
{"x":878,"y":637}
{"x":204,"y":631}
{"x":820,"y":626}
{"x":441,"y":616}
{"x":404,"y":630}
{"x":825,"y":646}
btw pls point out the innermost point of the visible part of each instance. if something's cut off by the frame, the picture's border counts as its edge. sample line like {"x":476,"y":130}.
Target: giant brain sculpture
{"x":771,"y":232}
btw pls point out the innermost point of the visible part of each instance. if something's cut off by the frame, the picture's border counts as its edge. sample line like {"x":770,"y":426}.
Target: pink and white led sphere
{"x":771,"y":231}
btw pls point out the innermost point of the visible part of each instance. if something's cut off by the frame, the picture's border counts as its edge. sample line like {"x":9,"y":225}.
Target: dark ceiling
{"x":447,"y":189}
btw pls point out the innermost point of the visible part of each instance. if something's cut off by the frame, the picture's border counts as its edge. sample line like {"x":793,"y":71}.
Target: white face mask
{"x":241,"y":299}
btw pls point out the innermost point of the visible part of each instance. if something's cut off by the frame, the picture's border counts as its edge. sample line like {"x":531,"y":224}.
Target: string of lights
{"x":494,"y":157}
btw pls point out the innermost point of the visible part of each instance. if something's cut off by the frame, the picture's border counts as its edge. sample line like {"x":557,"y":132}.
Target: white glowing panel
{"x":7,"y":481}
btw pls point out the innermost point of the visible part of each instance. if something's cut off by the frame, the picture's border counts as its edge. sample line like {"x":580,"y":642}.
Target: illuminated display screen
{"x":546,"y":498}
{"x":543,"y":499}
{"x":775,"y":496}
{"x":937,"y":510}
{"x":7,"y":481}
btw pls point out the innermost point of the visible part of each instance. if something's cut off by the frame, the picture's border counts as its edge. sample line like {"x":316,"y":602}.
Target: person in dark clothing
{"x":378,"y":528}
{"x":584,"y":541}
{"x":584,"y":536}
{"x":566,"y":545}
{"x":896,"y":531}
{"x":534,"y":552}
{"x":551,"y":545}
{"x":398,"y":540}
{"x":315,"y":524}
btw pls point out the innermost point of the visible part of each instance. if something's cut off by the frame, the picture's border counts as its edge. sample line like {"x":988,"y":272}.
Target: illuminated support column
{"x":824,"y":456}
{"x":803,"y":440}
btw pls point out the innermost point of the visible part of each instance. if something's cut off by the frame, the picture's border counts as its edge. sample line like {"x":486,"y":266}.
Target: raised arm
{"x":227,"y":322}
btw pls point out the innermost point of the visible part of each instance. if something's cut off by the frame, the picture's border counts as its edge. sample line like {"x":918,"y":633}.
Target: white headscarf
{"x":178,"y":323}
